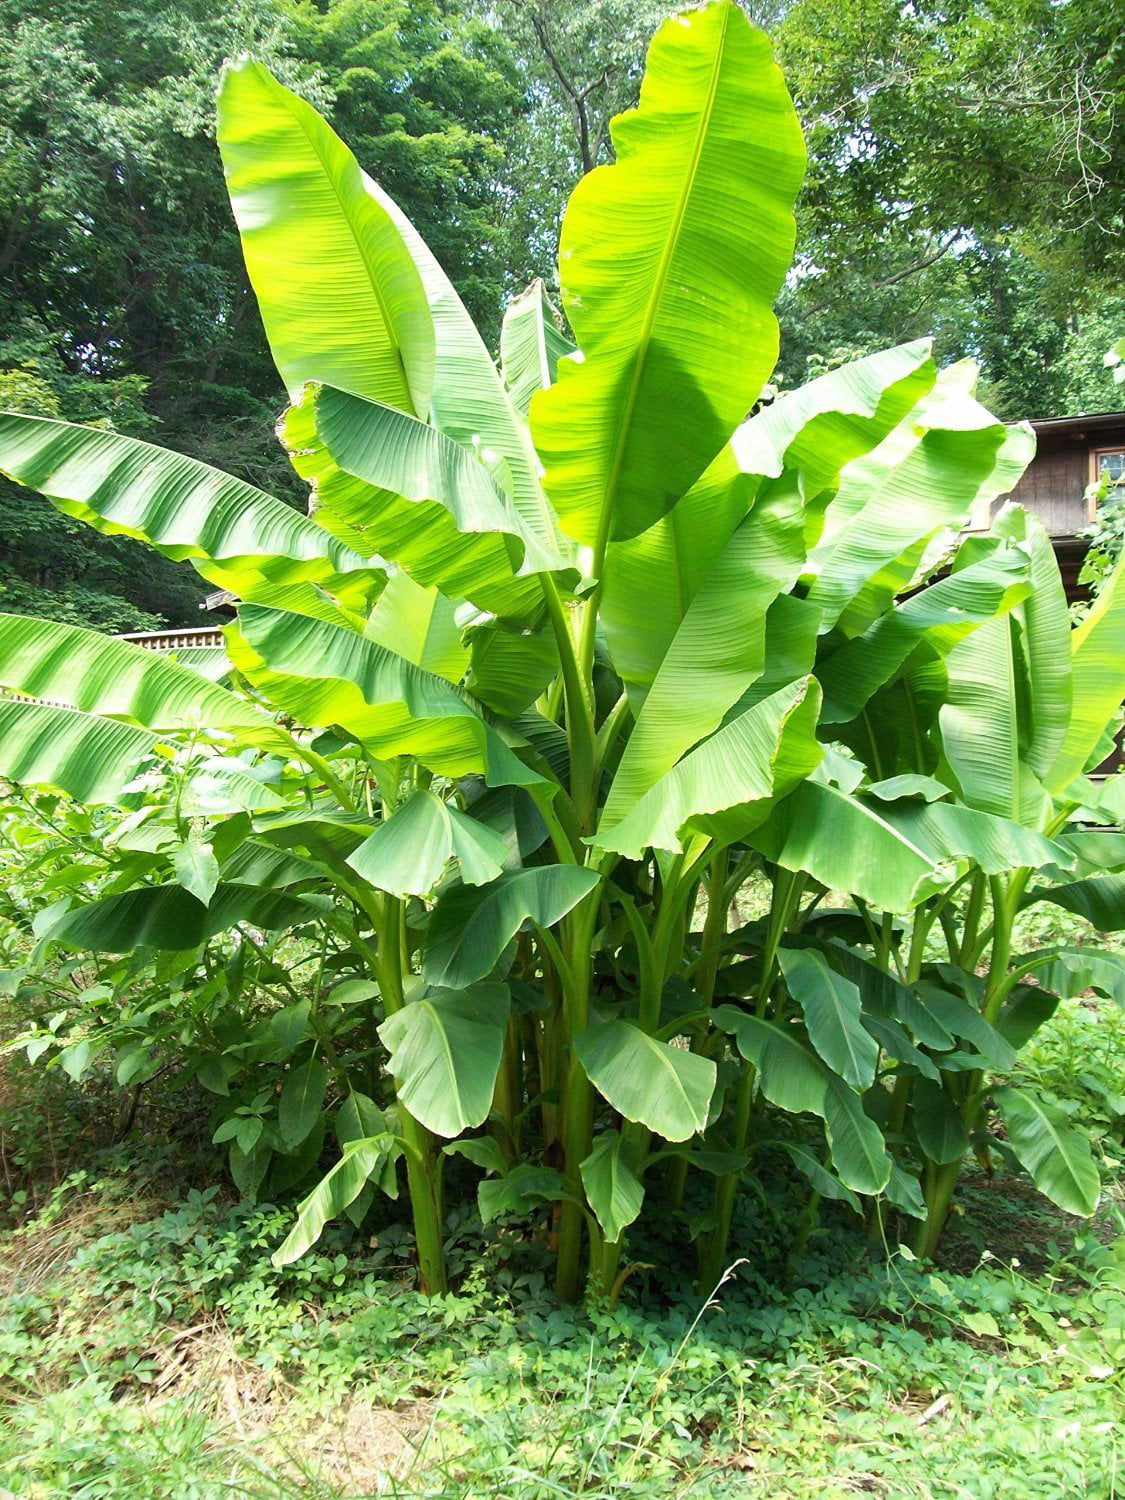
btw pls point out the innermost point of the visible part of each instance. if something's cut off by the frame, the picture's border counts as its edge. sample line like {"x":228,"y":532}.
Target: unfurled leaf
{"x":471,"y":926}
{"x":408,"y":853}
{"x":302,"y":1099}
{"x":445,"y":1051}
{"x":833,"y":1015}
{"x":1056,"y":1154}
{"x":613,"y":1189}
{"x":666,"y":1088}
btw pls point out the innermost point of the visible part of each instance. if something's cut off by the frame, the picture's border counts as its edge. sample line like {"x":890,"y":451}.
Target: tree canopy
{"x":965,"y":178}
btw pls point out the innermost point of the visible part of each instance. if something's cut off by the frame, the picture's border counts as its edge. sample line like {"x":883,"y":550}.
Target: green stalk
{"x":423,"y":1166}
{"x":578,"y":1100}
{"x":710,"y":951}
{"x":1005,"y":897}
{"x":785,"y":899}
{"x":579,"y":711}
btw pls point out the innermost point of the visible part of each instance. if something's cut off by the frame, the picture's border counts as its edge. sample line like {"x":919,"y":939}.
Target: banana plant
{"x":973,"y":755}
{"x":562,"y":647}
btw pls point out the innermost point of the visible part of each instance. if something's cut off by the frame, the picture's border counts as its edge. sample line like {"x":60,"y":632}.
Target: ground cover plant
{"x":566,"y":653}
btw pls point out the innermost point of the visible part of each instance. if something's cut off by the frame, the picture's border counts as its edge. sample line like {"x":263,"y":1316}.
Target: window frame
{"x":1096,"y":454}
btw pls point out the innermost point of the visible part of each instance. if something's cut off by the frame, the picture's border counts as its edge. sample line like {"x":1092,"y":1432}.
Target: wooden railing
{"x":174,"y":640}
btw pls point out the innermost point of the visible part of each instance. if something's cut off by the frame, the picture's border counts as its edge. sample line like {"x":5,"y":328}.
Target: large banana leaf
{"x":718,"y":651}
{"x":170,"y":918}
{"x":942,"y":615}
{"x":790,"y":1074}
{"x":666,"y":1088}
{"x":725,"y":785}
{"x":101,"y":675}
{"x":943,"y":462}
{"x":471,"y":926}
{"x":983,"y":728}
{"x":613,"y":1189}
{"x":1055,"y":1153}
{"x":323,"y":673}
{"x":845,"y":842}
{"x":468,"y":400}
{"x":830,"y":421}
{"x":811,"y":433}
{"x":236,"y":536}
{"x":833,"y":1015}
{"x":407,"y":854}
{"x":445,"y":1049}
{"x":669,"y":262}
{"x":1101,"y":900}
{"x":90,"y":758}
{"x":859,"y":1152}
{"x":420,"y":624}
{"x":339,"y":293}
{"x":1045,"y":618}
{"x":388,"y":484}
{"x":531,"y":345}
{"x":1098,"y":667}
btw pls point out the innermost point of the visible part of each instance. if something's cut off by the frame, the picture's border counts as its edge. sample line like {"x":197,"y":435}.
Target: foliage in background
{"x":966,"y":171}
{"x":121,"y":280}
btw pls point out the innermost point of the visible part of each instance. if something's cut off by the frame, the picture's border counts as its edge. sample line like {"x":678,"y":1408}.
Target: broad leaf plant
{"x":568,"y":650}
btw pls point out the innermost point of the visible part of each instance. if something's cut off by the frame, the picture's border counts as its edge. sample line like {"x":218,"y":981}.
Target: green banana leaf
{"x":420,"y":624}
{"x":1098,"y":672}
{"x":726,"y":785}
{"x":833,"y":1015}
{"x":859,"y":1152}
{"x":339,"y":293}
{"x":983,"y":725}
{"x":1055,"y":1153}
{"x":445,"y":1050}
{"x":1045,"y":618}
{"x":407,"y":854}
{"x":235,"y":536}
{"x":471,"y":926}
{"x":169,"y":918}
{"x":664,"y":1088}
{"x":845,"y":842}
{"x":468,"y":401}
{"x":90,"y":758}
{"x":387,"y":483}
{"x":937,"y":1123}
{"x":1101,"y":900}
{"x":323,"y":673}
{"x":790,"y":1074}
{"x":718,"y":650}
{"x":613,"y":1189}
{"x":98,"y":674}
{"x":810,"y":434}
{"x":941,"y":615}
{"x":531,"y":345}
{"x":669,"y":262}
{"x":947,"y":459}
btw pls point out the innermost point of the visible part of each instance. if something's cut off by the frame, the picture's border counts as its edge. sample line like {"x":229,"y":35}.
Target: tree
{"x":121,"y":283}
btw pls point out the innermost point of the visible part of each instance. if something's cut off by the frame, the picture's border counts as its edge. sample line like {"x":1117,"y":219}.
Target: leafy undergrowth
{"x":148,"y":1348}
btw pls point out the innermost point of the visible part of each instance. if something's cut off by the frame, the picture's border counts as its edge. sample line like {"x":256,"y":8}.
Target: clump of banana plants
{"x":566,"y":651}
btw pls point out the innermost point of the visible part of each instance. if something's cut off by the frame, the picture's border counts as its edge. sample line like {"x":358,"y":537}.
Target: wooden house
{"x":1071,"y":454}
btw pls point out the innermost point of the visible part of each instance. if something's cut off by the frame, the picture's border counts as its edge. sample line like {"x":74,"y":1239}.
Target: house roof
{"x":1085,"y":422}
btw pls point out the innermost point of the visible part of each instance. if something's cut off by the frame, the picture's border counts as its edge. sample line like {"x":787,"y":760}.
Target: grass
{"x":147,"y":1348}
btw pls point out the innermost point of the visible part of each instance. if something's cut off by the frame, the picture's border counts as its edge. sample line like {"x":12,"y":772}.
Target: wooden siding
{"x":1054,"y":486}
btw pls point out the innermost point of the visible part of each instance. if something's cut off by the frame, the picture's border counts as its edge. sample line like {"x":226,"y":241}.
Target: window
{"x":1105,"y":464}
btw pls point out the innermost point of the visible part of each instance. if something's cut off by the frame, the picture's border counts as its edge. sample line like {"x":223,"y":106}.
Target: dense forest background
{"x":966,"y":178}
